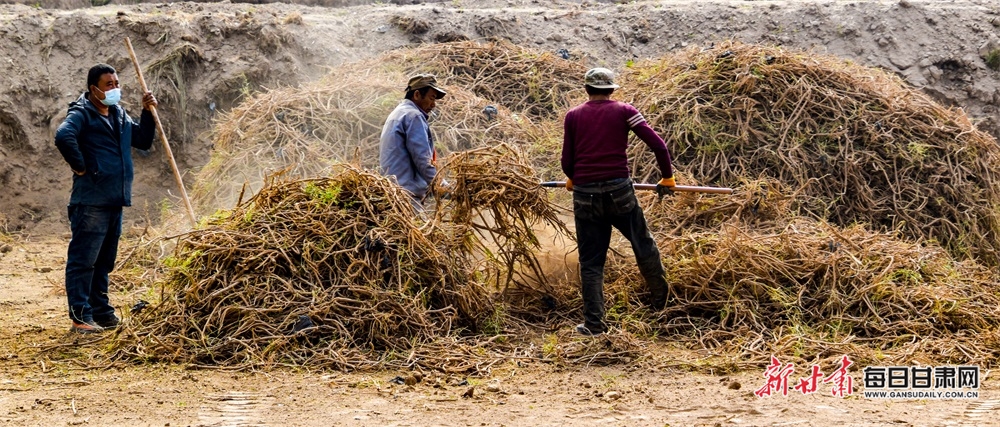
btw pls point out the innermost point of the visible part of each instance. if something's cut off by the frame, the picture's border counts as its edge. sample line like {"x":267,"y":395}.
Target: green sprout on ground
{"x":993,"y":59}
{"x":551,"y":345}
{"x":494,"y":324}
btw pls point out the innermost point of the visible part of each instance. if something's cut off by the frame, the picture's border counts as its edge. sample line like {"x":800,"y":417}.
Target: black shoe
{"x":583,"y":330}
{"x":86,"y":327}
{"x":658,"y":304}
{"x":108,"y":322}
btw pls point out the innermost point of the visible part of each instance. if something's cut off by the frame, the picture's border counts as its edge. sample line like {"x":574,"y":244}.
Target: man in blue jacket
{"x":406,"y":148}
{"x":96,"y":140}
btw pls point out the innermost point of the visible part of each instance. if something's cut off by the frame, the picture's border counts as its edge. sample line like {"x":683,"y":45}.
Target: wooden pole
{"x":163,"y":136}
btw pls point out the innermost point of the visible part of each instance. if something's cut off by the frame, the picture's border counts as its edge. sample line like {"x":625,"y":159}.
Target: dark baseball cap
{"x":421,"y":81}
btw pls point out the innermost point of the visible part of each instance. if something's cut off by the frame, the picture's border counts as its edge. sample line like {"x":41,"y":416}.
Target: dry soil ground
{"x":202,"y":58}
{"x":39,"y":387}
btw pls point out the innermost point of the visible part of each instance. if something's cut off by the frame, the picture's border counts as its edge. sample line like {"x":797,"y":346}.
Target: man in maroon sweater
{"x":594,"y":159}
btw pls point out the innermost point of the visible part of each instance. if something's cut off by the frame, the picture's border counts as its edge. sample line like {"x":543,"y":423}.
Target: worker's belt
{"x":603,"y":186}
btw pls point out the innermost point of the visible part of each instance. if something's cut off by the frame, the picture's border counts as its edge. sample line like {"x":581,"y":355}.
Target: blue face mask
{"x":112,"y":97}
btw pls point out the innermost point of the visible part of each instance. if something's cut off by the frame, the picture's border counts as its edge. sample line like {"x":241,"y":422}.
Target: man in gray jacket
{"x":96,"y":139}
{"x":406,"y":149}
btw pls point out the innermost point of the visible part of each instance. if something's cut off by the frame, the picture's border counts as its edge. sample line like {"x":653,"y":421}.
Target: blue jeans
{"x":597,"y":207}
{"x":90,"y":258}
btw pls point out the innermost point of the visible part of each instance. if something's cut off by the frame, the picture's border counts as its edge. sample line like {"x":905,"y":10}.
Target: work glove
{"x":569,"y":184}
{"x":665,"y":187}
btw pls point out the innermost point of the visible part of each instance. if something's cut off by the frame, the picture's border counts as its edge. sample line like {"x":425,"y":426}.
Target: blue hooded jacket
{"x":103,"y":152}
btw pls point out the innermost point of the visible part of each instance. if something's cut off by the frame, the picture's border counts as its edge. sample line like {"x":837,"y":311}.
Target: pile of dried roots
{"x":341,"y":272}
{"x":494,"y":195}
{"x":866,"y":147}
{"x":303,"y":131}
{"x":539,"y":85}
{"x":749,"y":283}
{"x":327,"y":271}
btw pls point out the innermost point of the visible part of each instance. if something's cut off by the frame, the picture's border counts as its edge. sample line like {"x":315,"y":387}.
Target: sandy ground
{"x":40,"y":386}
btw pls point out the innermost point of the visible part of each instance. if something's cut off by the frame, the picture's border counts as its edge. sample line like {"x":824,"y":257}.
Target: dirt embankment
{"x":78,"y":4}
{"x":201,"y":58}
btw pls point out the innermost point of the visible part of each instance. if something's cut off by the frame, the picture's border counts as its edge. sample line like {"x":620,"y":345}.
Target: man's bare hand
{"x":149,"y":101}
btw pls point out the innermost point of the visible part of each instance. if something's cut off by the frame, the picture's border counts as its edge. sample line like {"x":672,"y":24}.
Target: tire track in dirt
{"x":979,"y":413}
{"x":234,"y":409}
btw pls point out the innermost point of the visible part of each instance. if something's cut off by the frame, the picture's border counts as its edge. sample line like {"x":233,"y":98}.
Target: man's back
{"x":598,"y":132}
{"x":406,"y":148}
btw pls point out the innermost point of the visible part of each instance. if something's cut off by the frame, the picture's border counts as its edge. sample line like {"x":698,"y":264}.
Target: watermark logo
{"x":921,"y":382}
{"x":881,"y":382}
{"x":841,"y":383}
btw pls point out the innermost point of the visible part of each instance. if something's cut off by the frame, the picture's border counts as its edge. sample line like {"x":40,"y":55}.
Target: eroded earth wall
{"x":202,"y":58}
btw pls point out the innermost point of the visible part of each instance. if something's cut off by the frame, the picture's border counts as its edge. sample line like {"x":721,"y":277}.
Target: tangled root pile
{"x":755,"y":284}
{"x":328,"y":271}
{"x":494,"y":194}
{"x":342,"y":272}
{"x":537,"y":84}
{"x":866,"y":147}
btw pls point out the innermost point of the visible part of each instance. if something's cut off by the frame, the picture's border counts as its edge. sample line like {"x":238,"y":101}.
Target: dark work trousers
{"x":91,"y":256}
{"x":597,"y":207}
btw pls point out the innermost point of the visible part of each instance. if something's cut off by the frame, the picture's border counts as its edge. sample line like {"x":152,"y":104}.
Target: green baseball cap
{"x":421,"y":81}
{"x":600,"y":78}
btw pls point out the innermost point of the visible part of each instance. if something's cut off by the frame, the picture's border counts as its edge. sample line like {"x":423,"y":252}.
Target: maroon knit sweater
{"x":595,"y":141}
